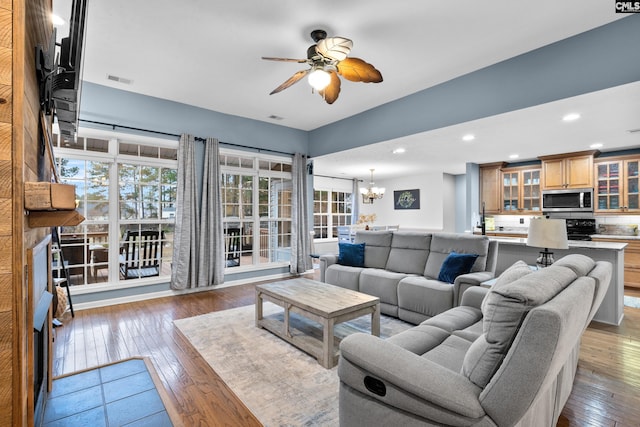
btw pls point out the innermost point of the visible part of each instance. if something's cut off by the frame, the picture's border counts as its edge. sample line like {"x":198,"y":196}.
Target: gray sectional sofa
{"x":402,"y":269}
{"x":504,"y":357}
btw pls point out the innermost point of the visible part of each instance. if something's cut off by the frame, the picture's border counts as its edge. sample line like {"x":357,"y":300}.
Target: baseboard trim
{"x":170,"y":293}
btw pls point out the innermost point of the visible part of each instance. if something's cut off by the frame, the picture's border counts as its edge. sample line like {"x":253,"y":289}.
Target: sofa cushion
{"x":343,"y":276}
{"x":450,"y":353}
{"x":505,"y":306}
{"x":511,"y":274}
{"x":454,"y":265}
{"x":471,"y":333}
{"x":381,"y":283}
{"x":377,"y":247}
{"x":517,"y":270}
{"x":457,"y":318}
{"x":580,"y":264}
{"x":409,"y":252}
{"x":425,"y":296}
{"x":351,"y":254}
{"x":442,"y":244}
{"x":419,"y":339}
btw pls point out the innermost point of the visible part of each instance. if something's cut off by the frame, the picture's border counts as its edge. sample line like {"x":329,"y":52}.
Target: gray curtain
{"x":300,"y":244}
{"x":198,"y":249}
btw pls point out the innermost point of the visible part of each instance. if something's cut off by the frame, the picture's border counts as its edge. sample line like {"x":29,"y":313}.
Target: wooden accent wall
{"x":23,"y":25}
{"x":6,"y":212}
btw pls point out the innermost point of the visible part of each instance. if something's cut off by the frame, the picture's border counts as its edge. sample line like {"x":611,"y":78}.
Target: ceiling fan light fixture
{"x":319,"y":79}
{"x":328,"y":60}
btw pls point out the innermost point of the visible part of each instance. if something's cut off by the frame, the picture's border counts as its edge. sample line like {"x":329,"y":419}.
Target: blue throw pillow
{"x":454,"y":265}
{"x":351,"y":254}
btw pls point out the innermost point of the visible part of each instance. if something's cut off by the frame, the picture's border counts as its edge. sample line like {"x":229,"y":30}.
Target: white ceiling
{"x":207,"y":54}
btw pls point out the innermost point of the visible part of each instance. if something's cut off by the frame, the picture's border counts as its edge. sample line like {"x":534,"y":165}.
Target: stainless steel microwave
{"x":568,"y":200}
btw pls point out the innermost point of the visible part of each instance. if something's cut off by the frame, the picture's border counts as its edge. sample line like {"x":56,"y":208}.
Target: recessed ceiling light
{"x":596,"y":145}
{"x":514,"y":156}
{"x":468,"y":137}
{"x":399,"y":150}
{"x":571,"y":117}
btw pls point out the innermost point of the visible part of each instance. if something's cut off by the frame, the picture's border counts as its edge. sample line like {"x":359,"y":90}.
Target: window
{"x":256,"y":203}
{"x":146,"y":201}
{"x":321,"y":214}
{"x":91,"y":180}
{"x":126,"y":185}
{"x":121,"y":187}
{"x":331,"y":209}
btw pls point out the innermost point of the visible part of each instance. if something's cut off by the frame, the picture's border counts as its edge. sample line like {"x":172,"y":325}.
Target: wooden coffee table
{"x":325,"y":304}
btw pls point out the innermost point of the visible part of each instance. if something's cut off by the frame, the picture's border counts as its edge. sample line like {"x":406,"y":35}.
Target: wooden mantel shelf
{"x":54,"y":218}
{"x":51,"y":204}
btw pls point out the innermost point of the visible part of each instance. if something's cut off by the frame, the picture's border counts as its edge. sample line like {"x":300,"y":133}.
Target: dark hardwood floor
{"x":605,"y":392}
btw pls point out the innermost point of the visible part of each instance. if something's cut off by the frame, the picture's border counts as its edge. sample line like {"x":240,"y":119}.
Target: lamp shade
{"x":548,"y":233}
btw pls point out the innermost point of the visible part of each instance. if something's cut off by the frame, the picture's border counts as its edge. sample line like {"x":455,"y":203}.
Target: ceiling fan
{"x":328,"y":58}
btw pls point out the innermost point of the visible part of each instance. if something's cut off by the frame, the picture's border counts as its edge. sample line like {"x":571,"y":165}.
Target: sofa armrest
{"x":325,"y":261}
{"x":465,"y":281}
{"x":474,"y":296}
{"x":441,"y":393}
{"x":475,"y":278}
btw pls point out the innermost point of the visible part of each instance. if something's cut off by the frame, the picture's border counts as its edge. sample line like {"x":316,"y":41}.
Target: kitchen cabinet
{"x":573,"y":170}
{"x":617,"y":185}
{"x":490,"y":186}
{"x":521,"y":190}
{"x":631,"y":260}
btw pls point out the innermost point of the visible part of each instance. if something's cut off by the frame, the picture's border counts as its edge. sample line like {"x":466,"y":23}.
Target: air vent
{"x":119,"y":79}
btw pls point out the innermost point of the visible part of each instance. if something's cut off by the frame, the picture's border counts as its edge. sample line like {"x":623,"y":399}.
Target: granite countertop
{"x":506,"y":230}
{"x":617,"y":246}
{"x":523,"y":232}
{"x":614,"y":236}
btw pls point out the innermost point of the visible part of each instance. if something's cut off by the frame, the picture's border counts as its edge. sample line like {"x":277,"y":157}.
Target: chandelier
{"x":371,"y":193}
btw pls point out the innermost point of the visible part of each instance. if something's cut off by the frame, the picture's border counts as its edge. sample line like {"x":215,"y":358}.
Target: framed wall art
{"x":406,"y":199}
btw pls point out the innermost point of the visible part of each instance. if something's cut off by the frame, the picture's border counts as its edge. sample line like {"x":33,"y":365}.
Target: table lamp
{"x":548,"y":234}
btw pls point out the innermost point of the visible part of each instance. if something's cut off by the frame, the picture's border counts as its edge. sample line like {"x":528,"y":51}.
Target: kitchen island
{"x":611,"y":311}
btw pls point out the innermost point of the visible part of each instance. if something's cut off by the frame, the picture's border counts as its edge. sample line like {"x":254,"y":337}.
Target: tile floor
{"x":122,"y":394}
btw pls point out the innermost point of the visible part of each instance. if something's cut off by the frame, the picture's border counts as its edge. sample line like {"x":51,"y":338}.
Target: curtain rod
{"x":338,"y":177}
{"x":197,"y":138}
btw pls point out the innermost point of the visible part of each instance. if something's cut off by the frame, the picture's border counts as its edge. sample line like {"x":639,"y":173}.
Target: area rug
{"x":632,"y":301}
{"x":280,"y":384}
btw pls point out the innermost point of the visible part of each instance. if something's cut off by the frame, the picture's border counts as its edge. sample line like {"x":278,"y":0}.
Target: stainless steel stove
{"x":580,"y":228}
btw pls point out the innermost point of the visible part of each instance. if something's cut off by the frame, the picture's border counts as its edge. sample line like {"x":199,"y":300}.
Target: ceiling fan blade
{"x":270,"y":58}
{"x":357,"y":70}
{"x":336,"y":48}
{"x":293,"y":79}
{"x":331,"y":92}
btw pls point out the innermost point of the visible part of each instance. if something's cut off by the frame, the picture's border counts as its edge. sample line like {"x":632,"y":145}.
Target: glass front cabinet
{"x":521,"y":190}
{"x":617,"y":185}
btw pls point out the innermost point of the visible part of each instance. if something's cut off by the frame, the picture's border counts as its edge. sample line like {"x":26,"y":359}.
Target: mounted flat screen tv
{"x":66,"y":83}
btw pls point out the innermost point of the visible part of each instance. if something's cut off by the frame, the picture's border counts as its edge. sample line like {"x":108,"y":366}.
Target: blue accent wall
{"x":598,"y":59}
{"x":104,"y":104}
